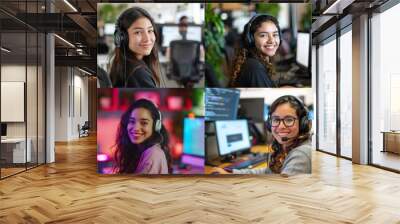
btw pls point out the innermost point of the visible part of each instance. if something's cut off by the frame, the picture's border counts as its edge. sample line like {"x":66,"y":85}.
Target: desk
{"x":391,"y":141}
{"x":254,"y":149}
{"x":13,"y":150}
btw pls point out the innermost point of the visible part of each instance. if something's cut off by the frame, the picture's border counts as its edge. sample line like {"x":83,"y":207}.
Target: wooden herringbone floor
{"x":70,"y":191}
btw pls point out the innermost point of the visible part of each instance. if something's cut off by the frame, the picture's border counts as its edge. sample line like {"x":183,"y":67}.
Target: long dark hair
{"x":127,"y":154}
{"x":278,"y":154}
{"x":118,"y":70}
{"x":249,"y":50}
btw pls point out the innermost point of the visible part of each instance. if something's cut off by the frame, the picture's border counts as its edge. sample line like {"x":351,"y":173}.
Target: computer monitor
{"x":109,"y":29}
{"x":193,"y":144}
{"x":221,"y":104}
{"x":193,"y":136}
{"x":266,"y":112}
{"x":252,"y":108}
{"x":3,"y":129}
{"x":232,"y":136}
{"x":303,"y":49}
{"x":170,"y":32}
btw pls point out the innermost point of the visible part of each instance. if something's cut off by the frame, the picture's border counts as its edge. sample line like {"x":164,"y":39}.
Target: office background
{"x":47,"y":82}
{"x":22,"y":107}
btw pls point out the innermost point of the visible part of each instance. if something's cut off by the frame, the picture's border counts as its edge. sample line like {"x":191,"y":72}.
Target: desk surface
{"x":13,"y":140}
{"x":254,"y":149}
{"x":391,"y":132}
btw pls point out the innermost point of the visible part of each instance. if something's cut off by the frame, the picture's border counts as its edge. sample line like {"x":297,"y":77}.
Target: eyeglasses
{"x":288,"y":121}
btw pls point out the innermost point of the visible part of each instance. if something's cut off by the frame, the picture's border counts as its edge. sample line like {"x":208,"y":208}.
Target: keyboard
{"x":247,"y":163}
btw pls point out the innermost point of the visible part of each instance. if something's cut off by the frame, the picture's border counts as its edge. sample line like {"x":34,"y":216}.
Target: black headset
{"x":249,"y":38}
{"x":121,"y":40}
{"x":120,"y":35}
{"x":304,"y":121}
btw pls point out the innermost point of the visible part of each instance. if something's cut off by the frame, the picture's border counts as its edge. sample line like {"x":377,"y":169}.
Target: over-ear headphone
{"x":120,"y":34}
{"x":158,"y":122}
{"x":304,"y":121}
{"x":249,"y":38}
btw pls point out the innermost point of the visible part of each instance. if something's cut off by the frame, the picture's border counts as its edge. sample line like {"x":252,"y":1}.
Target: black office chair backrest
{"x":185,"y":60}
{"x":86,"y":125}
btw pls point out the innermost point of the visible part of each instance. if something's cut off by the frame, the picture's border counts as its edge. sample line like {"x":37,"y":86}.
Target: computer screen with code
{"x":221,"y":104}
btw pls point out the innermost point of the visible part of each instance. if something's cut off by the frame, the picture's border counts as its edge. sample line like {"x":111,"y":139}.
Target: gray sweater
{"x":298,"y":161}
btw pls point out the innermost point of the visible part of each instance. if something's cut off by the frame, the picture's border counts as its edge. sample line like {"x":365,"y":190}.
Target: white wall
{"x":61,"y":104}
{"x":16,"y":73}
{"x":71,"y":94}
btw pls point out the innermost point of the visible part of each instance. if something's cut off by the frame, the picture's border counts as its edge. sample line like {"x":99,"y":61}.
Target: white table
{"x":18,"y":149}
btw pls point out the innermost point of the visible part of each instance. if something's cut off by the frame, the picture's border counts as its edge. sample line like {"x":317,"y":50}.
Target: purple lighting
{"x":102,"y":157}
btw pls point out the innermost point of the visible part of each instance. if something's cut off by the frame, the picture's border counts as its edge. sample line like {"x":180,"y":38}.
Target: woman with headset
{"x":290,"y":127}
{"x":142,"y":141}
{"x":135,"y":62}
{"x":252,"y":65}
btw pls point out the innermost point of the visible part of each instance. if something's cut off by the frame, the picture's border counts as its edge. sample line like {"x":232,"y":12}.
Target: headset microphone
{"x":285,"y":139}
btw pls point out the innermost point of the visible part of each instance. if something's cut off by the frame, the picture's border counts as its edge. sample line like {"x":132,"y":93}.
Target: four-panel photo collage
{"x":204,"y":88}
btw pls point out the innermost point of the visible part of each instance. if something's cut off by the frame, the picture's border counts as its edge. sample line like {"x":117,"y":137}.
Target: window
{"x":346,"y":94}
{"x":327,"y":96}
{"x":385,"y":88}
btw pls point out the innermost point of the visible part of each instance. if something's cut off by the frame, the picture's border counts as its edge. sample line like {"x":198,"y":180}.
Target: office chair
{"x":84,"y":130}
{"x":185,"y":65}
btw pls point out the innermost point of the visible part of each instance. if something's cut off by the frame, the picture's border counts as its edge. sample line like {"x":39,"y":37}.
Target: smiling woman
{"x":135,"y":63}
{"x":142,"y":141}
{"x":290,"y":127}
{"x":252,"y":66}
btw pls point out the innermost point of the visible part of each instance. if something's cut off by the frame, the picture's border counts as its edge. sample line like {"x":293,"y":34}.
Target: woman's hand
{"x":219,"y":170}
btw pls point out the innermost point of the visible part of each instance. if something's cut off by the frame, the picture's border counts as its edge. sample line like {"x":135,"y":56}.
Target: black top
{"x":254,"y":74}
{"x":140,"y":78}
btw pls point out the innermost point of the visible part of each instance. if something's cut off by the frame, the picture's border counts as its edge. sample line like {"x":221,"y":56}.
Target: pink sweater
{"x":152,"y":161}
